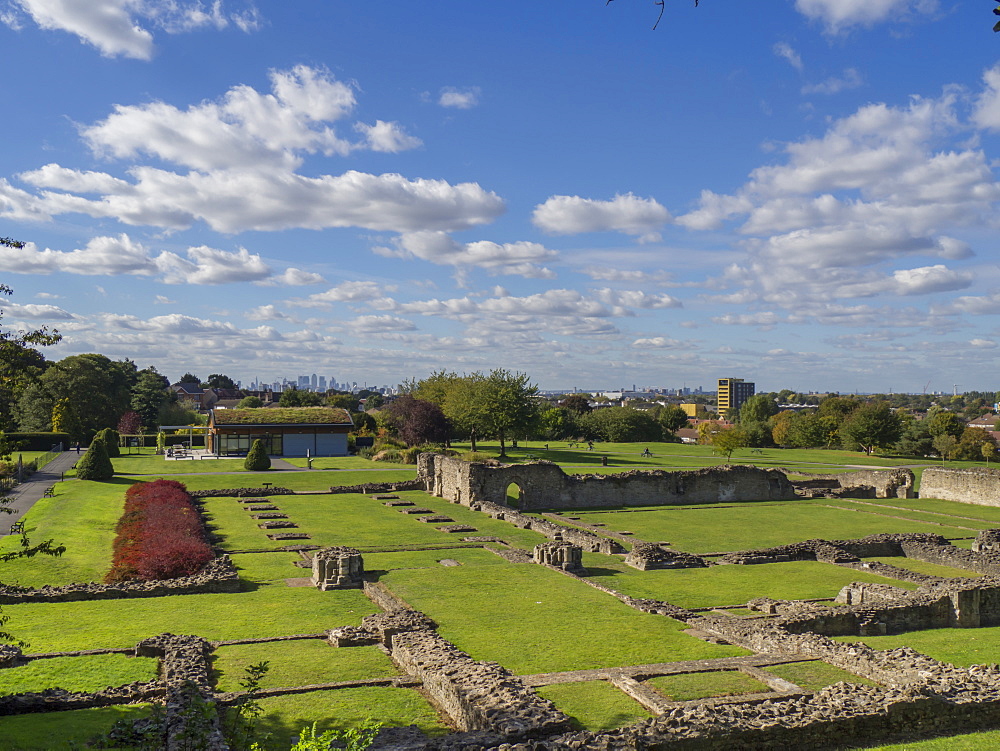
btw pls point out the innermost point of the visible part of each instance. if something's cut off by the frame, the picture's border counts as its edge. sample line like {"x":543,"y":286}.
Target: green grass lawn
{"x":85,"y":673}
{"x":532,"y":619}
{"x":740,"y":526}
{"x":594,"y":705}
{"x":286,"y":716}
{"x":266,"y":610}
{"x":692,"y":686}
{"x":82,"y":516}
{"x":815,"y":675}
{"x":964,"y":742}
{"x":728,"y":585}
{"x":62,"y":731}
{"x":343,"y":462}
{"x":299,"y":663}
{"x":959,"y":646}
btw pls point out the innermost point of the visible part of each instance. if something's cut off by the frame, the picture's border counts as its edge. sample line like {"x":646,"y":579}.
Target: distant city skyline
{"x":804,"y":192}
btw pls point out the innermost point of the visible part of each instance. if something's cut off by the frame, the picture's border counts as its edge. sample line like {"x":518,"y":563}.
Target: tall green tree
{"x":725,"y":442}
{"x":98,"y":388}
{"x":620,"y":425}
{"x":65,"y":419}
{"x":758,"y":408}
{"x":219,"y":381}
{"x":296,"y":398}
{"x":506,"y":405}
{"x":150,"y":392}
{"x":872,"y":426}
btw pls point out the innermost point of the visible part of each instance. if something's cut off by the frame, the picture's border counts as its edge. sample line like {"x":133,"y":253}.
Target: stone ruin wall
{"x":979,"y":485}
{"x":545,"y":485}
{"x":873,"y":483}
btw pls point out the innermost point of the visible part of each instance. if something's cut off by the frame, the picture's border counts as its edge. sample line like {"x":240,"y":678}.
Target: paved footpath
{"x":25,"y":495}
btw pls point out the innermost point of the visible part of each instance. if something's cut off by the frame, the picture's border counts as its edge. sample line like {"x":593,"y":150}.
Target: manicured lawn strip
{"x":267,"y":610}
{"x":299,"y":663}
{"x":150,"y":464}
{"x":269,"y":567}
{"x":964,"y":511}
{"x":343,"y":462}
{"x":286,"y":716}
{"x":710,"y":528}
{"x":922,"y":567}
{"x":692,"y":686}
{"x":959,"y":646}
{"x":533,"y":620}
{"x":63,"y":731}
{"x":594,"y":705}
{"x":728,"y":585}
{"x":429,"y":559}
{"x":235,"y":527}
{"x":887,"y":508}
{"x":815,"y":675}
{"x":964,"y":742}
{"x":85,"y":673}
{"x":293,"y":480}
{"x":82,"y":516}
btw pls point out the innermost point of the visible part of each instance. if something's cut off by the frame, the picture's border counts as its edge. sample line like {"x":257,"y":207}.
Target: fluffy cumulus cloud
{"x":840,"y":15}
{"x":573,"y":215}
{"x":237,"y":159}
{"x":517,"y":258}
{"x":121,"y":255}
{"x":37,"y":312}
{"x":348,"y":292}
{"x":841,"y":214}
{"x":121,"y":27}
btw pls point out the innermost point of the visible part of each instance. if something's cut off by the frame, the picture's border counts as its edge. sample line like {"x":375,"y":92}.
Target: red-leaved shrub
{"x":160,"y":535}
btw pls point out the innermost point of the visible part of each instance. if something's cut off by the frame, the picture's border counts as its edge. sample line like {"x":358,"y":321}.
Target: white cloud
{"x":377,"y":324}
{"x":987,"y":110}
{"x":115,"y":26}
{"x":840,"y":15}
{"x":462,"y":99}
{"x":163,"y":300}
{"x":983,"y":343}
{"x":784,"y":50}
{"x":609,"y":274}
{"x":516,"y":259}
{"x":851,"y":79}
{"x":34,"y":311}
{"x":267,"y":313}
{"x":572,"y":215}
{"x":293,"y":277}
{"x":212,"y":266}
{"x":387,"y":137}
{"x":351,"y":292}
{"x":930,"y":279}
{"x":656,"y":342}
{"x":636,"y":299}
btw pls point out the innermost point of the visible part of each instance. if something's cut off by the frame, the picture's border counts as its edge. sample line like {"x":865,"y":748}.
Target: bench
{"x":50,"y":492}
{"x":16,"y":527}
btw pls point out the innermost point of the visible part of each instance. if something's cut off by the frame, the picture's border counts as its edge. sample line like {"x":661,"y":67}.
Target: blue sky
{"x":803,"y":195}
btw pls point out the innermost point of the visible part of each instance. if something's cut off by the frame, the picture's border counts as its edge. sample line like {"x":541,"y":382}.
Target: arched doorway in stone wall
{"x":514,"y":495}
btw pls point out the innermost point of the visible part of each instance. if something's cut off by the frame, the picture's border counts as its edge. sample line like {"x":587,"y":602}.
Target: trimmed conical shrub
{"x":110,"y":438}
{"x":95,"y":464}
{"x":257,"y":459}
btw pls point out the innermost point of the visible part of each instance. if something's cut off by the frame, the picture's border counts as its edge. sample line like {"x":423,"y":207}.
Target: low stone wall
{"x":647,"y":557}
{"x":218,"y":576}
{"x":239,"y":492}
{"x":873,"y":483}
{"x":379,"y":487}
{"x":544,"y":485}
{"x":587,"y":540}
{"x":480,"y":696}
{"x":58,"y":700}
{"x":975,"y":485}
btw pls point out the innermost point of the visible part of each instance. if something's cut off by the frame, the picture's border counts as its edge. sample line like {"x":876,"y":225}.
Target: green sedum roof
{"x":283,"y":416}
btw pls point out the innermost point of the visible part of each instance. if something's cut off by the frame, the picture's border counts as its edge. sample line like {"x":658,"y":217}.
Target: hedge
{"x":160,"y":534}
{"x":38,"y":441}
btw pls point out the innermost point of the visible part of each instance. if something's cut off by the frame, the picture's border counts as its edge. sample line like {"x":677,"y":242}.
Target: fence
{"x":27,"y":469}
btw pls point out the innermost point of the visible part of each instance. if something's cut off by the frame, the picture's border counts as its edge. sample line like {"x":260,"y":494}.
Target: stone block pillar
{"x":564,"y":555}
{"x":337,"y":568}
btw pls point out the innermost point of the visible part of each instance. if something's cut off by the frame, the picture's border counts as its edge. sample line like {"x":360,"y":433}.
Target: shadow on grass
{"x":595,"y":571}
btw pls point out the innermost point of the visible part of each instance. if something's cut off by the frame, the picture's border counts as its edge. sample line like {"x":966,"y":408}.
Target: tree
{"x":33,"y":409}
{"x":728,"y":440}
{"x":64,"y":419}
{"x":946,"y":422}
{"x":130,"y":423}
{"x":506,"y":404}
{"x":342,"y":400}
{"x":150,"y":392}
{"x":557,"y":423}
{"x":219,"y":381}
{"x":98,"y":388}
{"x":758,"y":408}
{"x":250,"y":402}
{"x":257,"y":459}
{"x":578,"y":403}
{"x":417,"y":421}
{"x":111,"y":440}
{"x":988,"y":450}
{"x":971,"y":444}
{"x":190,"y":378}
{"x":20,"y":362}
{"x":781,"y":428}
{"x":672,"y":418}
{"x":620,"y":425}
{"x":945,"y":445}
{"x":295,"y":398}
{"x":916,"y":440}
{"x":95,"y":464}
{"x":871,"y":426}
